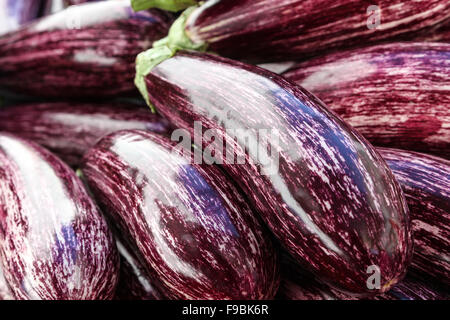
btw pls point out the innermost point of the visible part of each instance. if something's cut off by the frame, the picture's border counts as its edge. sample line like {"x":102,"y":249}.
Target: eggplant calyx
{"x":169,"y":5}
{"x":164,"y":49}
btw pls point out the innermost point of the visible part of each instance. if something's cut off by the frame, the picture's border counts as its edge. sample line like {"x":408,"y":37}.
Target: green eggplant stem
{"x":169,"y":5}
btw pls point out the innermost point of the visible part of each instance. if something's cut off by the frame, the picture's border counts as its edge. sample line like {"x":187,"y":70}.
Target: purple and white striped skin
{"x":83,"y":51}
{"x":426,"y":183}
{"x":267,"y":30}
{"x":54,"y":243}
{"x":333,"y":202}
{"x":396,"y":95}
{"x":5,"y":292}
{"x":134,"y":283}
{"x":188,"y":224}
{"x":69,"y":129}
{"x":14,"y":13}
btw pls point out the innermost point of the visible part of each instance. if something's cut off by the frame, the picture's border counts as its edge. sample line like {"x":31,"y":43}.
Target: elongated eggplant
{"x":70,"y":129}
{"x":14,"y":13}
{"x":325,"y":193}
{"x":134,"y":283}
{"x":83,"y":51}
{"x":193,"y":229}
{"x":54,"y":243}
{"x":267,"y":30}
{"x":426,"y":183}
{"x":5,"y":292}
{"x":397,"y":95}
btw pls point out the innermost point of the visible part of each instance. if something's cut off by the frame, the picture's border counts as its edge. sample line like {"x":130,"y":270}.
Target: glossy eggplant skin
{"x":83,"y":51}
{"x":69,"y":129}
{"x":189,"y":224}
{"x":267,"y":30}
{"x":134,"y":283}
{"x":14,"y":13}
{"x":396,"y":95}
{"x":426,"y":183}
{"x":332,"y":201}
{"x":54,"y":243}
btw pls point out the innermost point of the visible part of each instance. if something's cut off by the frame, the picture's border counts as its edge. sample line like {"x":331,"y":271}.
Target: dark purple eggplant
{"x":70,"y":129}
{"x":189,"y":224}
{"x":323,"y":190}
{"x":134,"y":284}
{"x":54,"y":243}
{"x":83,"y":51}
{"x":267,"y":30}
{"x":14,"y":13}
{"x":426,"y":183}
{"x":5,"y":292}
{"x":397,"y":95}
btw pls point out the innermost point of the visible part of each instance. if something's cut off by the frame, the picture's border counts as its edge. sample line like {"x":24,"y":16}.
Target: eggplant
{"x":83,"y":51}
{"x":14,"y":13}
{"x":266,"y":31}
{"x":5,"y":292}
{"x":324,"y":191}
{"x":69,"y":129}
{"x":54,"y":242}
{"x":134,"y":284}
{"x":426,"y":183}
{"x":396,"y":95}
{"x":190,"y":226}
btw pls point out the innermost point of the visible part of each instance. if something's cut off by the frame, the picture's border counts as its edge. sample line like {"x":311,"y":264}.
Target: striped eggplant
{"x":325,"y":193}
{"x":396,"y":95}
{"x":54,"y":243}
{"x":69,"y":128}
{"x":14,"y":13}
{"x":267,"y":30}
{"x":5,"y":291}
{"x":191,"y":227}
{"x":426,"y":183}
{"x":134,"y":284}
{"x":83,"y":51}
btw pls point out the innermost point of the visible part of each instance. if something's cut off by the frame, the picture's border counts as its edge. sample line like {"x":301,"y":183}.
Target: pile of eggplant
{"x":224,"y":150}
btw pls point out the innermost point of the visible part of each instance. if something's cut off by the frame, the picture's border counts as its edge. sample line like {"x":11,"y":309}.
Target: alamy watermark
{"x":374,"y":19}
